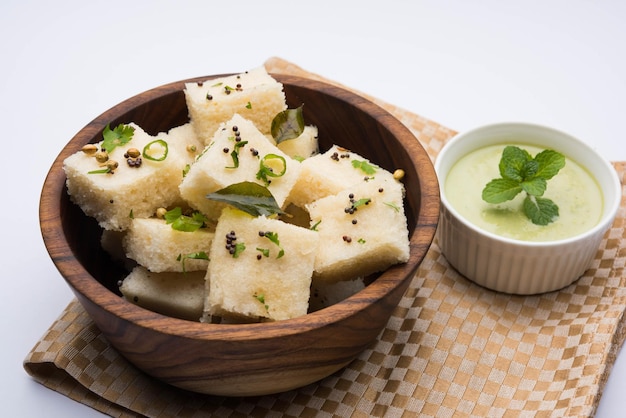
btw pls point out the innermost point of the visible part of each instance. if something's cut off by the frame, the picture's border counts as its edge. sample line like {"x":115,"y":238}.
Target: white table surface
{"x":459,"y":63}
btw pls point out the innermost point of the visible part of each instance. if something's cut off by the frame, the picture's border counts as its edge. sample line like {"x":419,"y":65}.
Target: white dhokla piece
{"x":217,"y":167}
{"x":114,"y":198}
{"x":259,"y":282}
{"x":254,"y":94}
{"x":328,"y":173}
{"x":325,"y":294}
{"x":363,"y":228}
{"x":154,"y":244}
{"x":179,"y":295}
{"x":302,"y":147}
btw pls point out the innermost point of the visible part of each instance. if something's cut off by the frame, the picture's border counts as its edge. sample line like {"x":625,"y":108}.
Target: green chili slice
{"x":147,"y":150}
{"x":266,"y":170}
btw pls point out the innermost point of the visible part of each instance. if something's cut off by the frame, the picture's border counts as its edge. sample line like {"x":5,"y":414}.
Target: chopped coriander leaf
{"x":364,"y":166}
{"x":201,"y":255}
{"x":118,"y":136}
{"x":264,"y":251}
{"x":249,"y":105}
{"x":261,"y":298}
{"x":238,"y":249}
{"x":185,"y":223}
{"x":235,"y":153}
{"x":273,"y":236}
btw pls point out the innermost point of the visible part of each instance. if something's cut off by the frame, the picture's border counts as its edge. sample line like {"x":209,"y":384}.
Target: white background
{"x":459,"y":63}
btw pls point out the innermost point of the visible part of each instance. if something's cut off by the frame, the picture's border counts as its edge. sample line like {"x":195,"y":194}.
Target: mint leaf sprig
{"x":520,"y":172}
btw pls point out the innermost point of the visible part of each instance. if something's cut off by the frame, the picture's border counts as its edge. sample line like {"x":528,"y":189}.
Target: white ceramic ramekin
{"x":515,"y":266}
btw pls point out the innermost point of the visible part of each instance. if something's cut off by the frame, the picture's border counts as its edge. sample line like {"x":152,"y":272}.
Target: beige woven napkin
{"x":450,"y":348}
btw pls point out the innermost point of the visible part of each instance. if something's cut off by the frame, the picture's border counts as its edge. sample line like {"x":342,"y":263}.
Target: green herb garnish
{"x":266,"y":168}
{"x":248,"y":105}
{"x":288,"y":124}
{"x":151,"y":154}
{"x":249,"y":197}
{"x":393,"y":206}
{"x":235,"y":153}
{"x":118,"y":136}
{"x":101,"y":171}
{"x":264,"y":251}
{"x":239,"y":248}
{"x":520,"y":172}
{"x":185,"y":223}
{"x":361,"y":202}
{"x":273,"y":236}
{"x":261,"y":298}
{"x":364,"y":166}
{"x":201,"y":255}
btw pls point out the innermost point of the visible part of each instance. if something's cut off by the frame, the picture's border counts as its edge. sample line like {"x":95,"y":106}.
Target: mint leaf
{"x":529,"y":170}
{"x":501,"y":190}
{"x":536,"y":186}
{"x":519,"y":171}
{"x":539,"y":210}
{"x":513,"y":162}
{"x":550,"y":162}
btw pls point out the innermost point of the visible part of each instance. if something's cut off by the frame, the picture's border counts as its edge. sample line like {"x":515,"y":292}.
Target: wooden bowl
{"x":250,"y":359}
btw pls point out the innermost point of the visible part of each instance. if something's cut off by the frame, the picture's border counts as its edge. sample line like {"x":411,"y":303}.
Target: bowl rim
{"x":83,"y":284}
{"x":603,"y":224}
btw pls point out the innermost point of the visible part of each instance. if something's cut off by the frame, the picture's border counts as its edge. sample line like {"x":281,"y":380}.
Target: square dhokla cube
{"x":254,"y":94}
{"x":304,"y":146}
{"x":130,"y":191}
{"x":330,"y":172}
{"x":179,"y":295}
{"x":157,"y":246}
{"x":235,"y":155}
{"x":363,"y":230}
{"x":253,"y":276}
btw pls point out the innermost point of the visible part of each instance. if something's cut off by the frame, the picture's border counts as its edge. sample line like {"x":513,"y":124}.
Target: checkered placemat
{"x":451,"y":348}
